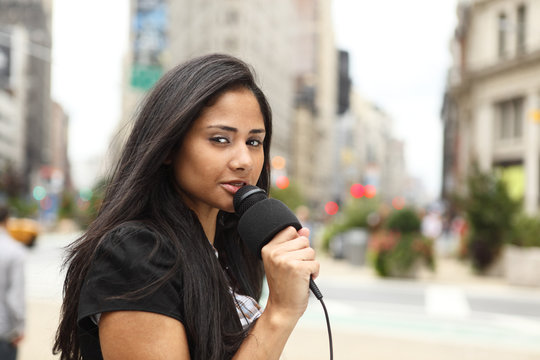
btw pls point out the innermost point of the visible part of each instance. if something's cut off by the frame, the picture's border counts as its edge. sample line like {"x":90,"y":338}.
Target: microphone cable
{"x":319,"y":297}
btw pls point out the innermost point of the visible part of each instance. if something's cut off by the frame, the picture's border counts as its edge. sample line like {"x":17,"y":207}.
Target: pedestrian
{"x":161,"y":273}
{"x":12,"y":298}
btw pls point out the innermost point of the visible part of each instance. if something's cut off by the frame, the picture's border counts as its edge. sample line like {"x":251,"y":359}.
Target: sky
{"x":89,"y":44}
{"x":399,"y":56}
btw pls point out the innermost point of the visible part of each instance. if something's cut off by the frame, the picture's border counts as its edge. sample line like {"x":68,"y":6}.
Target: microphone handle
{"x":314,"y":289}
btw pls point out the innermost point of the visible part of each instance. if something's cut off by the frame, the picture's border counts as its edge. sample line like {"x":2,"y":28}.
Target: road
{"x":371,"y":318}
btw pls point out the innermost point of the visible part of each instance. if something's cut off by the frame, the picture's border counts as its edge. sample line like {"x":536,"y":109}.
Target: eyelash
{"x":219,"y":139}
{"x":224,"y":140}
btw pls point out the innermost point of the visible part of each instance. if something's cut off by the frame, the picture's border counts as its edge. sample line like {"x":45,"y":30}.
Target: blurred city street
{"x":394,"y":123}
{"x":447,"y":315}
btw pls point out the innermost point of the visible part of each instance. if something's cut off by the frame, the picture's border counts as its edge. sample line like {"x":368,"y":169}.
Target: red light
{"x":398,"y":202}
{"x":282,"y":182}
{"x":370,"y":191}
{"x":331,"y":208}
{"x":357,"y":190}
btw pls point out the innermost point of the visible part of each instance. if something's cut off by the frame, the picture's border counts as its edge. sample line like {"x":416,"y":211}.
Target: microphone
{"x":261,"y":218}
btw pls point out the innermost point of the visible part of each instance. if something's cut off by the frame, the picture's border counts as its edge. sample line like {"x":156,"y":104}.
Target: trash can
{"x":354,"y":246}
{"x":337,"y":246}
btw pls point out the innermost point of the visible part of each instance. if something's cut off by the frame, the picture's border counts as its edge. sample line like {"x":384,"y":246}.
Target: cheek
{"x":259,"y":168}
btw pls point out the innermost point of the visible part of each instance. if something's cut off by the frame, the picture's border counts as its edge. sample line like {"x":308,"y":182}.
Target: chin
{"x":228,"y":209}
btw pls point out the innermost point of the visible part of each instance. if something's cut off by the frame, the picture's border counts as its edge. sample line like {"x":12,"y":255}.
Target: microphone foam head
{"x":246,"y":197}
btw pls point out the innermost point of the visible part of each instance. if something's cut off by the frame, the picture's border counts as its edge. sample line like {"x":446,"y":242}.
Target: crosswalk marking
{"x":446,"y":301}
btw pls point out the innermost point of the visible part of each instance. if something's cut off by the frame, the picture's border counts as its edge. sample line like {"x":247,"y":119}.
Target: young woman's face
{"x":221,"y":152}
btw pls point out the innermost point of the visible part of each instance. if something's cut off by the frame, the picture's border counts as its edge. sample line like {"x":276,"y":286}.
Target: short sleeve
{"x":123,"y":274}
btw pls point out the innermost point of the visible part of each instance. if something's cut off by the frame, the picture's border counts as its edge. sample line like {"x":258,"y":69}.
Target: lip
{"x":233,"y":186}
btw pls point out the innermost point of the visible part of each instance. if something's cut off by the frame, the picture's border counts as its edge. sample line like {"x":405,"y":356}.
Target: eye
{"x":219,"y":139}
{"x":254,"y":142}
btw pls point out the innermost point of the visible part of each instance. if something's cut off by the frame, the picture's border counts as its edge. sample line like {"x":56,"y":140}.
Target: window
{"x":521,"y":29}
{"x":510,"y":119}
{"x":502,"y":27}
{"x":231,"y":17}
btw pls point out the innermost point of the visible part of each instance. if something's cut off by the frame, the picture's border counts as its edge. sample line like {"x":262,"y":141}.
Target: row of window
{"x":509,"y":120}
{"x":507,"y":29}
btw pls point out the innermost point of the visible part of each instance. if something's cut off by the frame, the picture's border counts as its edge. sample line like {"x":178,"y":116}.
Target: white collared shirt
{"x":12,"y":296}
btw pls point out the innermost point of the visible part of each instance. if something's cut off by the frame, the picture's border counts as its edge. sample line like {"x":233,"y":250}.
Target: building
{"x":260,"y":32}
{"x":59,"y":147}
{"x":290,"y":44}
{"x":25,"y":103}
{"x":367,"y":151}
{"x":311,"y":162}
{"x":491,"y":107}
{"x":12,"y":98}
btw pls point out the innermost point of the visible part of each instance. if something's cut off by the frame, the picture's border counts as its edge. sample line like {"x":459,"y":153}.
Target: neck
{"x":208,"y":223}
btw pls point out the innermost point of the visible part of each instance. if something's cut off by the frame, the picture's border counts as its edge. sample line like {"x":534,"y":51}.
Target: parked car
{"x":24,"y":230}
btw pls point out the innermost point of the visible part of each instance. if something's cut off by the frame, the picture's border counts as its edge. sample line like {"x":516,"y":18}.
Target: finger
{"x":304,"y":232}
{"x":285,"y":235}
{"x":298,"y":243}
{"x":314,"y":268}
{"x":305,"y":254}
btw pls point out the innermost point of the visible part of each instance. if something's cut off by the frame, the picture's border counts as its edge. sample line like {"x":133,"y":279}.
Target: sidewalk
{"x":310,"y":342}
{"x":41,"y":324}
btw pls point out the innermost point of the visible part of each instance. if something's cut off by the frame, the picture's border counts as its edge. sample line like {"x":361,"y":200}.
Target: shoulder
{"x":129,"y":232}
{"x":11,"y":247}
{"x":134,"y":268}
{"x":134,"y":250}
{"x":136,"y":242}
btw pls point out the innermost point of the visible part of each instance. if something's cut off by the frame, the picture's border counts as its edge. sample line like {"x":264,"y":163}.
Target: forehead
{"x":237,"y":106}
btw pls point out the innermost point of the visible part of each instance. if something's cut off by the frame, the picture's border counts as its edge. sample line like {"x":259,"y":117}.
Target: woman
{"x":161,"y":273}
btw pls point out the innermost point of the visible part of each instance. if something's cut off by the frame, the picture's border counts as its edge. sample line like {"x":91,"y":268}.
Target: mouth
{"x":233,"y":187}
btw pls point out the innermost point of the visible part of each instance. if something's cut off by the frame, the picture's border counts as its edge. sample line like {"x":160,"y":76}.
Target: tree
{"x":490,"y":212}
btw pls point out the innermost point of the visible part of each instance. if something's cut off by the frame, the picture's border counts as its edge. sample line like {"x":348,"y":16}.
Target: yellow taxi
{"x":24,"y":230}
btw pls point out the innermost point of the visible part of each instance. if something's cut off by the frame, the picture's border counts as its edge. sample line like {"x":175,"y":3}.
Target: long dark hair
{"x":142,"y":188}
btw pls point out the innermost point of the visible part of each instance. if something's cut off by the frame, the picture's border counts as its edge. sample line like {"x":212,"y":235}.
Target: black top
{"x":129,"y":258}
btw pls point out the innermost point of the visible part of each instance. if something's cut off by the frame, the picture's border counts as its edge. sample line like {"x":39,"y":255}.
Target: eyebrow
{"x":232,"y":129}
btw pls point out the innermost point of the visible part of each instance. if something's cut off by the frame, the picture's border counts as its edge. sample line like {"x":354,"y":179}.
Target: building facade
{"x":290,"y":45}
{"x":169,"y":32}
{"x":13,"y":98}
{"x":491,"y":106}
{"x":367,"y":151}
{"x":315,"y":107}
{"x":25,"y":102}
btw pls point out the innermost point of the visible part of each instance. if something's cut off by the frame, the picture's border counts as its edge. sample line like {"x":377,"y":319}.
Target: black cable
{"x":319,"y":297}
{"x":329,"y":330}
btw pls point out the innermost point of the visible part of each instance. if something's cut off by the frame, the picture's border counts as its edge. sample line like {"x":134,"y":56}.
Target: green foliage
{"x":23,"y":207}
{"x":11,"y":181}
{"x":357,"y":211}
{"x":490,"y":212}
{"x":405,"y":221}
{"x":90,"y":208}
{"x":399,"y":254}
{"x":354,"y":215}
{"x":525,"y":231}
{"x":329,"y":232}
{"x":292,"y":195}
{"x":12,"y":190}
{"x":67,"y":208}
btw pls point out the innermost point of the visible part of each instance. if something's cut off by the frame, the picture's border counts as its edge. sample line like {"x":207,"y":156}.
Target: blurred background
{"x":405,"y":136}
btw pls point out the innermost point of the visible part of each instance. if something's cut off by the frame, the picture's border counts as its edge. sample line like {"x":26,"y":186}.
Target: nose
{"x":242,"y":159}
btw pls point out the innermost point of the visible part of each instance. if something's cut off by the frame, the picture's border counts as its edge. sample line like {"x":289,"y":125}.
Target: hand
{"x":289,"y":262}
